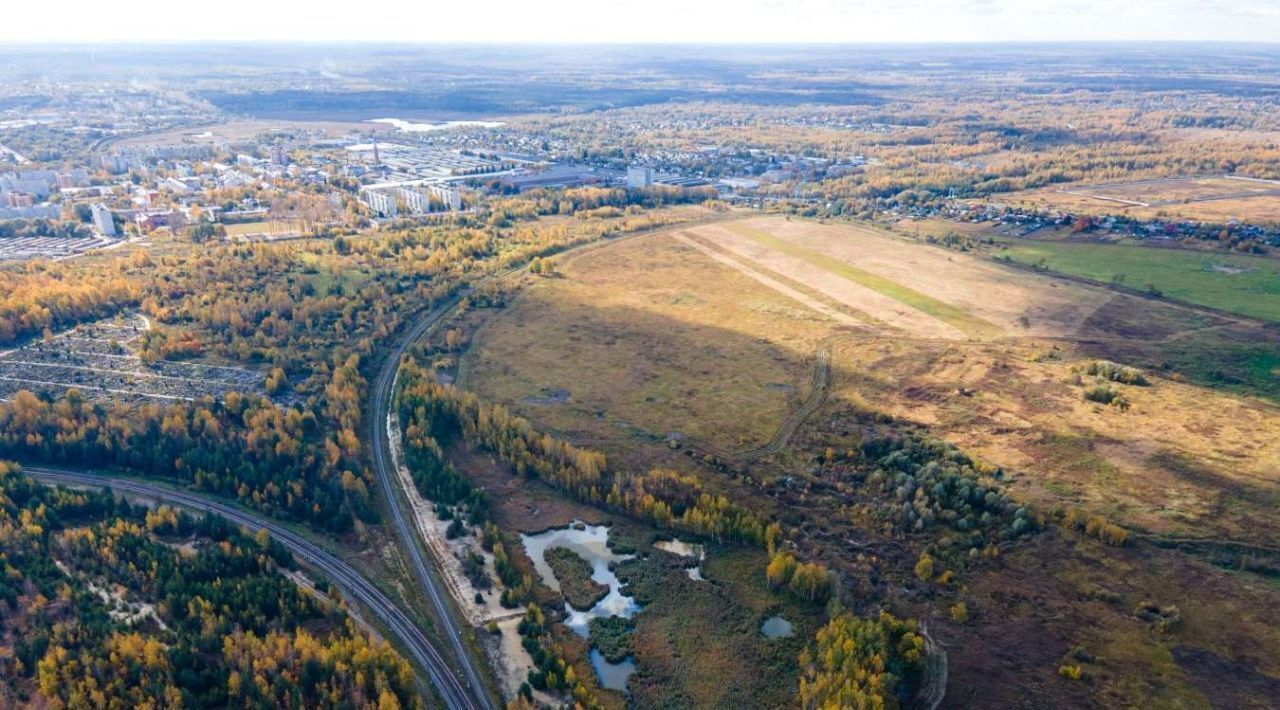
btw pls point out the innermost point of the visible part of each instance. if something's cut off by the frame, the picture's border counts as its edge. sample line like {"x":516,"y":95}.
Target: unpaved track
{"x":819,"y":388}
{"x":776,"y":285}
{"x":934,"y":687}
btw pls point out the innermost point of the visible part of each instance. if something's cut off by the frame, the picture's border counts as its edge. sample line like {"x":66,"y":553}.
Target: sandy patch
{"x":510,"y":661}
{"x":448,"y":553}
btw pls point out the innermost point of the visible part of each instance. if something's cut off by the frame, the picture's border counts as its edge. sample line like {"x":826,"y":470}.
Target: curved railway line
{"x":341,"y":574}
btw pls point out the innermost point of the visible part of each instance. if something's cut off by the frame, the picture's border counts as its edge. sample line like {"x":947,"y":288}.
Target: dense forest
{"x":106,"y":604}
{"x":244,"y":447}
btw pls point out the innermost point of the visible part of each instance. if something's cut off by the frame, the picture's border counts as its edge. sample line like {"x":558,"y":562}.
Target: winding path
{"x":819,"y":387}
{"x":346,"y":578}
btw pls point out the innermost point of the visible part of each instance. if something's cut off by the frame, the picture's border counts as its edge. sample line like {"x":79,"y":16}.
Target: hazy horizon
{"x":659,"y":22}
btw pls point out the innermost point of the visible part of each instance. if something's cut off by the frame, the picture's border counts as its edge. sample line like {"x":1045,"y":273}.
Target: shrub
{"x":1096,"y":526}
{"x":1105,"y":394}
{"x":1116,"y":372}
{"x":1102,"y":394}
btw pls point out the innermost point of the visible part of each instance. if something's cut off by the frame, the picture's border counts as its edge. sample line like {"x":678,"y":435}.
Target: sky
{"x":625,"y":21}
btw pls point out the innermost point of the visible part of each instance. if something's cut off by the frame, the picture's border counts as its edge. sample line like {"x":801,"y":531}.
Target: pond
{"x":776,"y":627}
{"x":613,"y":676}
{"x":676,"y":546}
{"x":421,"y":127}
{"x":591,"y":542}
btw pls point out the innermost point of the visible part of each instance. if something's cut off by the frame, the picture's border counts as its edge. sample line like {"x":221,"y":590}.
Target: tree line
{"x":664,"y":498}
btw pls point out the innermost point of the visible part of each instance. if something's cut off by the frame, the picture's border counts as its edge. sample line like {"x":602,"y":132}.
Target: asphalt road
{"x":339,"y":573}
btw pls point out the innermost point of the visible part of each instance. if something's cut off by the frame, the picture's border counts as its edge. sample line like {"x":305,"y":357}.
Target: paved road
{"x":351,"y":582}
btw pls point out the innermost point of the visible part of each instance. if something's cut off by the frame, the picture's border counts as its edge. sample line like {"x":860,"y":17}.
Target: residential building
{"x":19,"y":199}
{"x":639,"y":176}
{"x":279,"y":155}
{"x":102,"y":219}
{"x":384,"y":204}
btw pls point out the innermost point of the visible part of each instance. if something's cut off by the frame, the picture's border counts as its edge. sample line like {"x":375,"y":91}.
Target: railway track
{"x":451,"y":689}
{"x":426,"y":574}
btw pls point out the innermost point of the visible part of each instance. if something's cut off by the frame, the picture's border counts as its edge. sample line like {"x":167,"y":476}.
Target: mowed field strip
{"x":955,"y":317}
{"x":925,"y":291}
{"x":770,"y":281}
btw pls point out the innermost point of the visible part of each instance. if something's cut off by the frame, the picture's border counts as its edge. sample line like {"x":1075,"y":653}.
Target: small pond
{"x":613,"y":676}
{"x":591,"y":542}
{"x":776,"y":627}
{"x":676,"y":546}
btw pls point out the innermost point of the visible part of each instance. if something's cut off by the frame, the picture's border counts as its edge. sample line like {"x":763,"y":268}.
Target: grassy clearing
{"x":1246,"y":285}
{"x":945,"y":312}
{"x":644,"y":341}
{"x":272,"y":228}
{"x":1209,"y":199}
{"x":1025,"y":411}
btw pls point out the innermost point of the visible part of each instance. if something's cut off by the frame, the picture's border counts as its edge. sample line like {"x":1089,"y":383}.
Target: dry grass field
{"x":268,"y":229}
{"x":1213,"y":199}
{"x":710,"y":334}
{"x":648,"y":340}
{"x":924,"y":291}
{"x":1182,"y":460}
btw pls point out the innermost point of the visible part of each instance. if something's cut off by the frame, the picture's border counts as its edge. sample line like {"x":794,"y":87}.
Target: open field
{"x":1182,"y":460}
{"x":1246,"y":285}
{"x":1159,"y":192}
{"x":680,"y":347}
{"x":708,"y":338}
{"x":1213,"y":199}
{"x":272,"y":228}
{"x":926,"y":291}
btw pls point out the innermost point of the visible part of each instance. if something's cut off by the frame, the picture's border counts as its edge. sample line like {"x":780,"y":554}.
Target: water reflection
{"x":591,"y":542}
{"x":613,"y":676}
{"x":776,"y":627}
